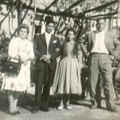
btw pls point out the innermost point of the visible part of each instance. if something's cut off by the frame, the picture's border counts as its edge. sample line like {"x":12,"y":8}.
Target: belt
{"x":96,"y":53}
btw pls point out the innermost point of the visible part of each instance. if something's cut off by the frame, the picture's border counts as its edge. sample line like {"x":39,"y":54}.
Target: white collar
{"x":48,"y":34}
{"x":100,"y":32}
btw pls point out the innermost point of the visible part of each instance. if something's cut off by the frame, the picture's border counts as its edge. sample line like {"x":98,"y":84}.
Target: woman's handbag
{"x":10,"y":66}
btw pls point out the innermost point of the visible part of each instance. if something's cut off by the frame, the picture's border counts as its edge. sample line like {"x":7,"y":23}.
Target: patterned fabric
{"x":22,"y":81}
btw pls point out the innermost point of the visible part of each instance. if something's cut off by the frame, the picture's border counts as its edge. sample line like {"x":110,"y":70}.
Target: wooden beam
{"x":74,"y":5}
{"x":48,"y":7}
{"x":102,"y":15}
{"x":33,"y":26}
{"x":50,"y":12}
{"x":99,"y":7}
{"x":6,"y":2}
{"x":64,"y":14}
{"x":6,"y":16}
{"x":43,"y":11}
{"x":118,"y":15}
{"x":19,"y":8}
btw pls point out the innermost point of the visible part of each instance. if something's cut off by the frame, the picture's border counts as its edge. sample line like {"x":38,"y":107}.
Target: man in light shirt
{"x":47,"y":49}
{"x":101,"y":44}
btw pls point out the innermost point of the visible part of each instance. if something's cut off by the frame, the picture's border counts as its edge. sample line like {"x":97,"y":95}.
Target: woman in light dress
{"x":67,"y":77}
{"x":20,"y":49}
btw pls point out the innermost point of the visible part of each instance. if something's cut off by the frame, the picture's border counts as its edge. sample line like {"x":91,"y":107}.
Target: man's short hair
{"x":50,"y":21}
{"x":102,"y":18}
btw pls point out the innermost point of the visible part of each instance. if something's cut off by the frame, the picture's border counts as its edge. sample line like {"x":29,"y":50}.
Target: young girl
{"x":67,"y":76}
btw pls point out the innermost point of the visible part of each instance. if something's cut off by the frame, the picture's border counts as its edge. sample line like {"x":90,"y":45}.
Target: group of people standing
{"x":66,"y":78}
{"x":64,"y":75}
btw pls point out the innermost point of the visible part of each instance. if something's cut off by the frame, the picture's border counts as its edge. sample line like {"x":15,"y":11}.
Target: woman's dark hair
{"x":75,"y":45}
{"x":25,"y":26}
{"x":70,"y":29}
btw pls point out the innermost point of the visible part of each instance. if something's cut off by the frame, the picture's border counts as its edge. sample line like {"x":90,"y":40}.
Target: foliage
{"x":4,"y":42}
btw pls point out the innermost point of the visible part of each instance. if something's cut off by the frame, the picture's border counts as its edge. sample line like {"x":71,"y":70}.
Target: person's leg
{"x":11,"y":101}
{"x":46,"y":89}
{"x":93,"y":77}
{"x":61,"y":105}
{"x":106,"y":72}
{"x":98,"y":91}
{"x":61,"y":102}
{"x":108,"y":89}
{"x":38,"y":89}
{"x":67,"y":102}
{"x":16,"y":97}
{"x":83,"y":82}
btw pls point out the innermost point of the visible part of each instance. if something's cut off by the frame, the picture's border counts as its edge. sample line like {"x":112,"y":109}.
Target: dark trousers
{"x":101,"y":63}
{"x":43,"y":82}
{"x":98,"y":90}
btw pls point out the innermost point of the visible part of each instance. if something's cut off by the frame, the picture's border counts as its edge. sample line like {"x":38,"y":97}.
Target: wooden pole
{"x":33,"y":27}
{"x":118,"y":16}
{"x":19,"y":12}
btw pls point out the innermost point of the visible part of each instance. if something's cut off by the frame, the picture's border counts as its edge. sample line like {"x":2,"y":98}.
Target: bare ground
{"x":80,"y":110}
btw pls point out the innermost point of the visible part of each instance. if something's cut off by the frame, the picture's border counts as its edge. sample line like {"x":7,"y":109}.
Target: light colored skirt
{"x":67,"y":77}
{"x":17,"y":83}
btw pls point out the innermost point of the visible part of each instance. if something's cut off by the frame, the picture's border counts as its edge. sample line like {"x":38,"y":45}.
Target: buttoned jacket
{"x":40,"y":48}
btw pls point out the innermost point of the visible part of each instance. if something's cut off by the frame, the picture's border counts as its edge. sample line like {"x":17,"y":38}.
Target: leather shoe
{"x":11,"y":113}
{"x":113,"y":109}
{"x":93,"y":106}
{"x":45,"y":109}
{"x":34,"y":111}
{"x":17,"y":112}
{"x":98,"y":106}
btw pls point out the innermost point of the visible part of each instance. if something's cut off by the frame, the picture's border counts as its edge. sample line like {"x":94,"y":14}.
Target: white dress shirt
{"x":47,"y":36}
{"x":99,"y":45}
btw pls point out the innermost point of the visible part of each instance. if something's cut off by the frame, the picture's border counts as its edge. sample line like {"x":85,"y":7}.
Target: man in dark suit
{"x":47,"y":49}
{"x":101,"y":44}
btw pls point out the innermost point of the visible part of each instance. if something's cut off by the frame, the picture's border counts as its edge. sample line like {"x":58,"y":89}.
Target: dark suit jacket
{"x":112,"y":44}
{"x":40,"y":48}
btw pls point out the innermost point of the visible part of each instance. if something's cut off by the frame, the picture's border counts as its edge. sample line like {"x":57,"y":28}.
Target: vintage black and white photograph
{"x":59,"y":59}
